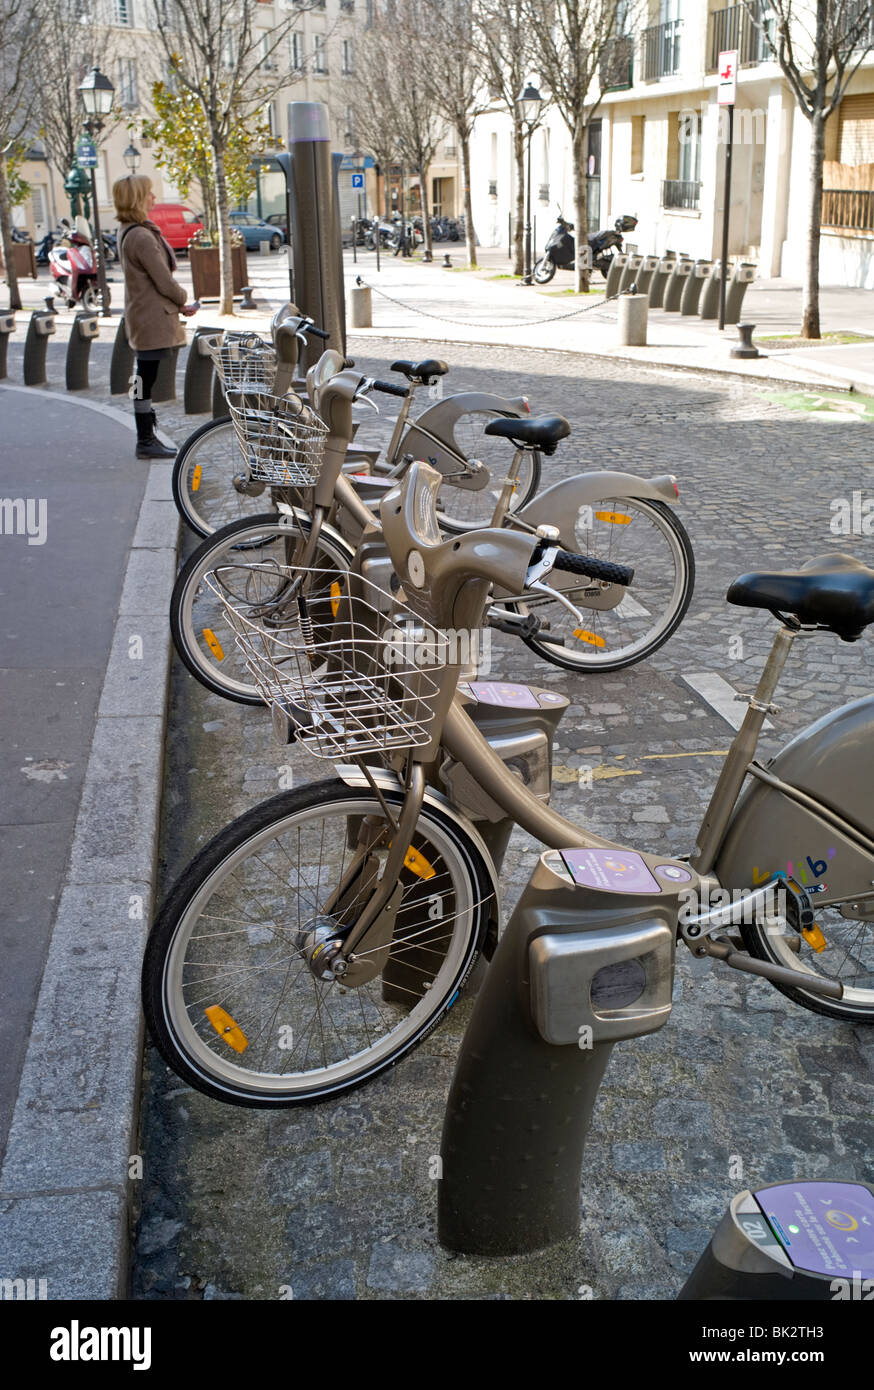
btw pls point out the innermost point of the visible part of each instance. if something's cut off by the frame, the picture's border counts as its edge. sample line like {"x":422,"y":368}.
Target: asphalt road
{"x":63,"y":553}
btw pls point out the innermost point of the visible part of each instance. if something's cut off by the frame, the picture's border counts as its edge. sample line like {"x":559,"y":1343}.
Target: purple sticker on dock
{"x":502,"y":693}
{"x":614,"y":870}
{"x":827,"y":1227}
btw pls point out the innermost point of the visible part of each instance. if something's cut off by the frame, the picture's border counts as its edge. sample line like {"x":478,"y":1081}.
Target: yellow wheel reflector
{"x":229,"y":1031}
{"x":814,"y":938}
{"x":591,"y":637}
{"x":335,"y":598}
{"x":214,"y":644}
{"x":419,"y":864}
{"x":614,"y":518}
{"x":195,"y":478}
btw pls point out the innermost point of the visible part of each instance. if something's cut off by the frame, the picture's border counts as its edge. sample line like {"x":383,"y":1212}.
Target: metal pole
{"x":98,"y":247}
{"x":355,"y":238}
{"x":726,"y":211}
{"x":526,"y":278}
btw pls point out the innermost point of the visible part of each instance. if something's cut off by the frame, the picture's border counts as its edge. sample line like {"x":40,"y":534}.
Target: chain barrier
{"x":472,"y":323}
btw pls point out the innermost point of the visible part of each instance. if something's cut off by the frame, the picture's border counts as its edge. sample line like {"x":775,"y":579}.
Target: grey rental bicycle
{"x":319,"y":937}
{"x":607,"y":515}
{"x":212,"y":487}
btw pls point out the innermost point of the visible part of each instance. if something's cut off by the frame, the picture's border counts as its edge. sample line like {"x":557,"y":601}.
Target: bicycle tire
{"x":204,"y":510}
{"x":763,"y":946}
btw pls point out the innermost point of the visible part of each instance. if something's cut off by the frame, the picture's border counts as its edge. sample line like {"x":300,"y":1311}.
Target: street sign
{"x":726,"y":88}
{"x":86,"y":154}
{"x":357,"y":180}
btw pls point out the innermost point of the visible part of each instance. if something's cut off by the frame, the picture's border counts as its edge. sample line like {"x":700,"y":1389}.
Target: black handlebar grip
{"x":389,"y":388}
{"x":316,"y":332}
{"x":595,"y":569}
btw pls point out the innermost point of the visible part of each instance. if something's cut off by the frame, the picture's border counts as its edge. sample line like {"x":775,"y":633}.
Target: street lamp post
{"x":97,"y":93}
{"x":529,"y":102}
{"x":132,"y":157}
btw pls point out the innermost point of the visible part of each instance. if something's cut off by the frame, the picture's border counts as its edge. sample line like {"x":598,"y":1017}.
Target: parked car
{"x":178,"y":224}
{"x":280,"y":221}
{"x":256,"y":230}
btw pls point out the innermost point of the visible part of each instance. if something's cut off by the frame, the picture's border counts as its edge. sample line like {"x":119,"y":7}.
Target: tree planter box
{"x":205,"y":270}
{"x":23,"y":258}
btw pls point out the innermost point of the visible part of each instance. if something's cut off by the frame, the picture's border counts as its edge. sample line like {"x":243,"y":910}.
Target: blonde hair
{"x":130,"y":196}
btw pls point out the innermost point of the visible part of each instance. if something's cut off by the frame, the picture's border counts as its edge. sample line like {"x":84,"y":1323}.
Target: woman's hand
{"x":189,"y":309}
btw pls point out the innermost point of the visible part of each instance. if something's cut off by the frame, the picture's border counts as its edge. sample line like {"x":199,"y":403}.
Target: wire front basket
{"x":353,"y":670}
{"x":243,"y":359}
{"x":282,"y":440}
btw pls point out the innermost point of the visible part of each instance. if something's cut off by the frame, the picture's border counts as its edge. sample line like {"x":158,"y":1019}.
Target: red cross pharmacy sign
{"x":726,"y":89}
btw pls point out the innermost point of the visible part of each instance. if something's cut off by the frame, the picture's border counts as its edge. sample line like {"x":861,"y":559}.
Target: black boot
{"x":149,"y":445}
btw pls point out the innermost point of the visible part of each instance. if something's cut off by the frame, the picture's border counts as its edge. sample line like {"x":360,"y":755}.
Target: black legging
{"x":147,"y":371}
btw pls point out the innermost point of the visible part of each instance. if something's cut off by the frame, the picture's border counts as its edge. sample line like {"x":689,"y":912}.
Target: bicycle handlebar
{"x":316,"y":332}
{"x":389,"y":388}
{"x":595,"y":569}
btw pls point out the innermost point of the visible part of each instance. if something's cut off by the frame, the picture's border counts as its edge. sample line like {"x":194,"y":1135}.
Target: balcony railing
{"x":681,"y":193}
{"x":733,"y":28}
{"x":617,"y":65}
{"x":661,"y":50}
{"x":860,"y":21}
{"x":851,"y":209}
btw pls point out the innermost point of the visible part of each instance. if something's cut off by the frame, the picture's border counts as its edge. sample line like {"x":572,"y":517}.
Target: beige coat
{"x":152,"y":296}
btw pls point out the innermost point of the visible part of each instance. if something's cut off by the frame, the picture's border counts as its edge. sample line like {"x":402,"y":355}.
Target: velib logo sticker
{"x":75,"y":1343}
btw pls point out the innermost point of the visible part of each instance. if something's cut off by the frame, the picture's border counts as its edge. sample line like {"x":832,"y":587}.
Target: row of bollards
{"x":679,"y":284}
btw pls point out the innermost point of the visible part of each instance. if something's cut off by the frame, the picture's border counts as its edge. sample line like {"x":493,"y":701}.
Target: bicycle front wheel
{"x":203,"y":479}
{"x":230,"y":998}
{"x":201,"y":632}
{"x":622,"y":626}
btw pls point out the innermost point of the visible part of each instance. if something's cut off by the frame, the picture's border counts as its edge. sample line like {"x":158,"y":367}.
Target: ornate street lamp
{"x":132,"y":157}
{"x":528,"y":103}
{"x":97,"y":93}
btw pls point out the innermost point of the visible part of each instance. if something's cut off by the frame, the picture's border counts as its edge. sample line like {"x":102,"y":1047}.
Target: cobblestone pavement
{"x":337,"y":1201}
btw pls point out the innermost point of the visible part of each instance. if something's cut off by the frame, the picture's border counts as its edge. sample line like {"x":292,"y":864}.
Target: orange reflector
{"x":614,"y":518}
{"x":418,"y":863}
{"x":195,"y":478}
{"x":591,"y":637}
{"x":335,"y":598}
{"x":214,"y":644}
{"x":814,"y":938}
{"x":229,"y":1031}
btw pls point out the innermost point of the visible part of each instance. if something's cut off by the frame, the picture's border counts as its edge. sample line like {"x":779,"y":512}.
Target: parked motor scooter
{"x":560,"y":249}
{"x":73,"y":265}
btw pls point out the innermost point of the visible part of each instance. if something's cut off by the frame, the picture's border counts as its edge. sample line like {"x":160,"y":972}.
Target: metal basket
{"x":355,"y":671}
{"x":243,"y":359}
{"x":282,"y":440}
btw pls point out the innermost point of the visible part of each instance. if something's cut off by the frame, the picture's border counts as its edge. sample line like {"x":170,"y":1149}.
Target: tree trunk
{"x":581,"y":281}
{"x":469,"y":234}
{"x":226,"y":283}
{"x":810,"y":298}
{"x":426,"y":213}
{"x":518,"y":242}
{"x":5,"y":225}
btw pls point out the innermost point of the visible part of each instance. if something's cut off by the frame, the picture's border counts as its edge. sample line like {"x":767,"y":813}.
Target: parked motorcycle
{"x":560,"y":250}
{"x":73,"y":265}
{"x":384,"y":230}
{"x":110,"y":247}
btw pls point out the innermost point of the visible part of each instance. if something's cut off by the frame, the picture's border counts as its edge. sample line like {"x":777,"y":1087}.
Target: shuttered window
{"x":856,"y":142}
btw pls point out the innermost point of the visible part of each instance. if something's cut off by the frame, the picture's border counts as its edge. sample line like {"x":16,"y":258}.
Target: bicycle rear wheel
{"x":460,"y":509}
{"x":842,"y":951}
{"x":203,"y":479}
{"x":230,"y":998}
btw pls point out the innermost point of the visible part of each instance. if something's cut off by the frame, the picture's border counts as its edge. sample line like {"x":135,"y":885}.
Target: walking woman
{"x":153,"y":301}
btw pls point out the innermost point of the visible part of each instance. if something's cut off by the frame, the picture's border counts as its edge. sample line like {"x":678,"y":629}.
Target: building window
{"x":228,"y":55}
{"x":349,"y":126}
{"x":319,"y":64}
{"x":638,"y":128}
{"x":689,"y":137}
{"x":295,"y":46}
{"x":127,"y":83}
{"x":268,"y":53}
{"x":348,"y":56}
{"x":270,"y":119}
{"x":122,"y":13}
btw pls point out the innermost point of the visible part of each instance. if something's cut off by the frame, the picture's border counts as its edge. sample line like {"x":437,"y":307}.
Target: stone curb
{"x":65,"y":1186}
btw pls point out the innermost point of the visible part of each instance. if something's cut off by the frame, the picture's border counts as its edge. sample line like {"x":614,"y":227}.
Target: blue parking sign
{"x":357,"y":180}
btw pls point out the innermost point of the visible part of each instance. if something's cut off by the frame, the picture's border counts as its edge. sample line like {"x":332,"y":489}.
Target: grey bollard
{"x":744,"y":274}
{"x":660,"y":279}
{"x":315,"y":230}
{"x":248,"y":300}
{"x":646,"y":272}
{"x":164,"y":388}
{"x":121,"y":368}
{"x":676,"y":284}
{"x":708,"y":304}
{"x":361,"y":306}
{"x":614,"y":273}
{"x":633,"y":309}
{"x":745,"y":346}
{"x":39,"y":330}
{"x":694,"y":285}
{"x":263,"y":248}
{"x":629,"y":273}
{"x":7,"y":327}
{"x":85,"y":329}
{"x":199,"y":373}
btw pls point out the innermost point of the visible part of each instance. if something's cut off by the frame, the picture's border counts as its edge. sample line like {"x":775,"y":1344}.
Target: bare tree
{"x":454,"y":83}
{"x":69,"y":49}
{"x":217,"y":51}
{"x":417,"y":129}
{"x":20,"y":26}
{"x":572,"y":39}
{"x":503,"y":40}
{"x":819,"y":45}
{"x":373,"y":102}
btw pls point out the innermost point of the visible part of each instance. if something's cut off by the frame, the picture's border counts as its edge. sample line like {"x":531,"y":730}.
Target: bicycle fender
{"x":441,"y":417}
{"x":560,"y":504}
{"x":387,"y":780}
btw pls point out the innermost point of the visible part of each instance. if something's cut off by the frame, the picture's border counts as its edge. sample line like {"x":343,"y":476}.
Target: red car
{"x":177,"y":222}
